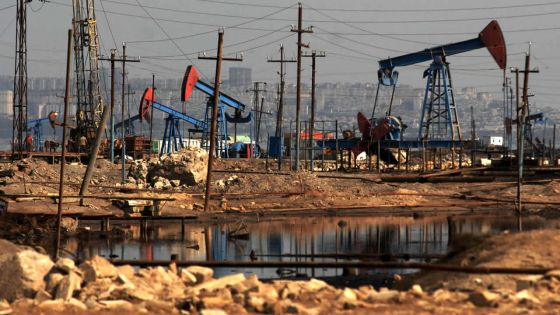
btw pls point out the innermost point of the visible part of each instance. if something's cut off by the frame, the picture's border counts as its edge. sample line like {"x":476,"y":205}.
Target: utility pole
{"x":300,"y":44}
{"x":63,"y":153}
{"x":217,"y":79}
{"x":521,"y":114}
{"x":124,"y":60}
{"x":256,"y":90}
{"x":280,"y":112}
{"x":313,"y":55}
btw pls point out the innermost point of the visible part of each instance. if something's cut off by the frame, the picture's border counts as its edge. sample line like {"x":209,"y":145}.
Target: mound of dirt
{"x":534,"y":249}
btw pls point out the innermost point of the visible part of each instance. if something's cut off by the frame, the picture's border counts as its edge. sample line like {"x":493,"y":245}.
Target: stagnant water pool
{"x":303,"y":239}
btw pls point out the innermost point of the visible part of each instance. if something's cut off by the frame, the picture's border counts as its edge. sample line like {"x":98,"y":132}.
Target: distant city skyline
{"x":354,"y":35}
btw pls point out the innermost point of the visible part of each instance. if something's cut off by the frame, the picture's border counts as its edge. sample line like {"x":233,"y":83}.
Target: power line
{"x":108,"y":23}
{"x":172,"y":57}
{"x":8,"y":7}
{"x":332,"y":20}
{"x":345,"y":47}
{"x":166,"y":34}
{"x":390,"y":10}
{"x":443,"y":33}
{"x":227,"y":27}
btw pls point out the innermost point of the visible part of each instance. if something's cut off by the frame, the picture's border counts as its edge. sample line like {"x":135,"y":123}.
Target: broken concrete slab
{"x":96,"y":268}
{"x":22,"y":271}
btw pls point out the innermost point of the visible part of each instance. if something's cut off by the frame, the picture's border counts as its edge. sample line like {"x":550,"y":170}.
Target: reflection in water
{"x":301,"y":239}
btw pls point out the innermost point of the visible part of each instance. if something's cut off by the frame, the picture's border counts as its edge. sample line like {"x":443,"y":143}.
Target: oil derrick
{"x":89,"y":102}
{"x":20,"y":82}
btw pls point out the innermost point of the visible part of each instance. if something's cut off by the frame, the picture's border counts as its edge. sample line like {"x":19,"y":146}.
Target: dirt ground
{"x":249,"y":187}
{"x":255,"y":189}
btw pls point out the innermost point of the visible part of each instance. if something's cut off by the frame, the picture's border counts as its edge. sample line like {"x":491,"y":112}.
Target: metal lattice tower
{"x":20,"y":82}
{"x":439,"y":120}
{"x":86,"y":50}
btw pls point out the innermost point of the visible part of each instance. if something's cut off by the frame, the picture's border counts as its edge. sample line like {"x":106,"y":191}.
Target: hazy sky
{"x":354,"y":34}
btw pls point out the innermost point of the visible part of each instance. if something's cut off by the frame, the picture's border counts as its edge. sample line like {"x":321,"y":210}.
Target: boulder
{"x":201,"y":273}
{"x":22,"y":271}
{"x":188,"y":278}
{"x":126,"y":270}
{"x":525,"y":296}
{"x":67,"y":286}
{"x":188,"y":166}
{"x":222,"y":282}
{"x":484,"y":298}
{"x":65,"y":265}
{"x":53,"y":279}
{"x":97,"y":268}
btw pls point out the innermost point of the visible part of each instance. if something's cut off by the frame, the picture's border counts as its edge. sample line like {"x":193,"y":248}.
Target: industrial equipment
{"x":128,"y":125}
{"x":373,"y":130}
{"x":36,"y":126}
{"x":89,"y":102}
{"x":192,"y":81}
{"x":439,"y":120}
{"x":172,"y":138}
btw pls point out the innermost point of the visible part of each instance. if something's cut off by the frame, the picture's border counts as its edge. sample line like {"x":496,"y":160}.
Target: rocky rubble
{"x":97,"y":286}
{"x":187,"y":167}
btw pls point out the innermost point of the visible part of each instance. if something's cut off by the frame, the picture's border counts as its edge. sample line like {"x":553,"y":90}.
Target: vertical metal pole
{"x":312,"y":123}
{"x":290,"y":145}
{"x":279,"y":115}
{"x":63,"y":154}
{"x":553,"y":154}
{"x":544,"y":140}
{"x":208,"y":243}
{"x":128,"y":108}
{"x":112,"y":119}
{"x":323,"y":146}
{"x":378,"y":156}
{"x":123,"y":144}
{"x":98,"y":136}
{"x":473,"y":138}
{"x":522,"y":134}
{"x":152,"y":115}
{"x":214,"y":118}
{"x":298,"y":83}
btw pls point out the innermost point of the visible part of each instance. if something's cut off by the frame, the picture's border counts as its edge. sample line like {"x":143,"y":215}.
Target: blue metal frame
{"x":128,"y":125}
{"x":37,"y":126}
{"x":438,"y":111}
{"x":172,"y":137}
{"x":222,"y":131}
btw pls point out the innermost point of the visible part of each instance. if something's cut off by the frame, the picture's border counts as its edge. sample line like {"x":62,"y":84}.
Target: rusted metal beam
{"x":90,"y":197}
